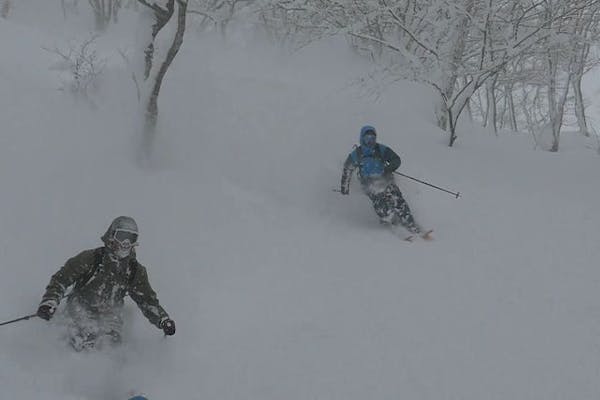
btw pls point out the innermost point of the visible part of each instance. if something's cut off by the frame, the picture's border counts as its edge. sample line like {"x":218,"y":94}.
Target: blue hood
{"x":363,"y":132}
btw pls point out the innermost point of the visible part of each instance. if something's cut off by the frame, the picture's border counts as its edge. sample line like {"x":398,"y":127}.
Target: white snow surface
{"x":280,"y":287}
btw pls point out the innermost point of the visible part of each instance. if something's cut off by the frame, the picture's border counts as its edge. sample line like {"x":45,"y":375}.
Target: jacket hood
{"x":366,"y":129}
{"x":124,"y":223}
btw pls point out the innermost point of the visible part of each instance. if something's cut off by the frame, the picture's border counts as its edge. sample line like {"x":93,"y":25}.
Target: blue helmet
{"x":365,"y":130}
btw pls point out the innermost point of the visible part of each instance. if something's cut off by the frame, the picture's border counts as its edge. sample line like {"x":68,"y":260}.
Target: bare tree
{"x":433,"y":41}
{"x":81,"y":65}
{"x":587,"y":33}
{"x":69,"y":6}
{"x":217,"y":13}
{"x":104,"y":12}
{"x":5,"y":9}
{"x":161,"y":13}
{"x":459,"y":47}
{"x":555,"y":67}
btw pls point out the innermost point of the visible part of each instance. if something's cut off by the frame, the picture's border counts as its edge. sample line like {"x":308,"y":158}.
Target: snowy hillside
{"x":280,"y":287}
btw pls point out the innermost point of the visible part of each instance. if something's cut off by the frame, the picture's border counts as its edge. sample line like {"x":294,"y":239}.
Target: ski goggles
{"x":124,"y":237}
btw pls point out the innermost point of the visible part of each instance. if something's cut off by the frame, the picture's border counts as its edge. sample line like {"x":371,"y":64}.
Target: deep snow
{"x":280,"y":287}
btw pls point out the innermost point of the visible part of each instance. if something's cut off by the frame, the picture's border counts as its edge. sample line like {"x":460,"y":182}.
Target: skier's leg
{"x":382,"y":206}
{"x":82,"y":329}
{"x":402,"y":213}
{"x":111,"y":327}
{"x":83,"y":334}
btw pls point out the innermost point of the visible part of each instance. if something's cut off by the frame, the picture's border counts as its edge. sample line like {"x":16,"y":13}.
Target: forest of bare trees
{"x":514,"y":65}
{"x":511,"y":64}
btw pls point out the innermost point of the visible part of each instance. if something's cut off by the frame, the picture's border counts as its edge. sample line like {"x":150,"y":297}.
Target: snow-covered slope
{"x":280,"y":287}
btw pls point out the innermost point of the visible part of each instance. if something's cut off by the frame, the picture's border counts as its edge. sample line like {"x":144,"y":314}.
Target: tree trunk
{"x":101,"y":9}
{"x":584,"y":26}
{"x":552,"y":65}
{"x":468,"y":107}
{"x":100,"y":22}
{"x":161,"y":18}
{"x":457,"y":104}
{"x":512,"y":115}
{"x":560,"y":112}
{"x":156,"y":81}
{"x":117,"y":4}
{"x":452,"y":127}
{"x":579,"y":104}
{"x":5,"y":9}
{"x":492,"y":109}
{"x":556,"y":106}
{"x":457,"y":52}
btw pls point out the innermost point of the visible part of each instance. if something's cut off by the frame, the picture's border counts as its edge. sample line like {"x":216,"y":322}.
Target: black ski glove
{"x":387,"y":170}
{"x":168,"y":327}
{"x":45,"y":311}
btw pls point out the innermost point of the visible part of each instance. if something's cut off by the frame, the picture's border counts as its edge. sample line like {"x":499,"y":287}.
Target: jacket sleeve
{"x":391,"y":160}
{"x":144,"y":296}
{"x":349,"y":167}
{"x":75,"y":269}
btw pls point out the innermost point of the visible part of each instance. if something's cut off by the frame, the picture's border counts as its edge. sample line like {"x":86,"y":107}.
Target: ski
{"x":427,"y":235}
{"x":411,"y":238}
{"x":401,"y":232}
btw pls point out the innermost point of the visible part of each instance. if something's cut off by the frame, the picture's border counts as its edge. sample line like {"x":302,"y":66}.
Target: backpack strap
{"x":98,"y":256}
{"x":377,"y":152}
{"x":133,"y":267}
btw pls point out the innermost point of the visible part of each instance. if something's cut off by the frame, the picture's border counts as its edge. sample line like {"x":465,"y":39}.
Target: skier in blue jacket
{"x":376,"y":163}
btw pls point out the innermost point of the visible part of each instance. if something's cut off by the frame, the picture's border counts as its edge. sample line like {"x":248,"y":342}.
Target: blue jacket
{"x":373,"y":163}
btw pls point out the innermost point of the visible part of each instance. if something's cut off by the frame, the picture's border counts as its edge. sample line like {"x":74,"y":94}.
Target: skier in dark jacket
{"x":376,"y":163}
{"x":100,"y":279}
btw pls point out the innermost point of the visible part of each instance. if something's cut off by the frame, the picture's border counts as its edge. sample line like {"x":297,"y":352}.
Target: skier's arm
{"x":74,"y":269}
{"x":144,"y":296}
{"x":391,"y":160}
{"x":349,"y":167}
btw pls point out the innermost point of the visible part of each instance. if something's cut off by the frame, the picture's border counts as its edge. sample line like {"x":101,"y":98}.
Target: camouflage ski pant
{"x":390,"y":206}
{"x":89,"y":329}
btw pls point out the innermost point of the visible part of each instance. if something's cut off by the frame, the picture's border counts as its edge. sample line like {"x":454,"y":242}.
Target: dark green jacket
{"x":102,"y":288}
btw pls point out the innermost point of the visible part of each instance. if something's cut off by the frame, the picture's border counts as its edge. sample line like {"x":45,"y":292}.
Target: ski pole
{"x":18,"y":319}
{"x":457,"y":194}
